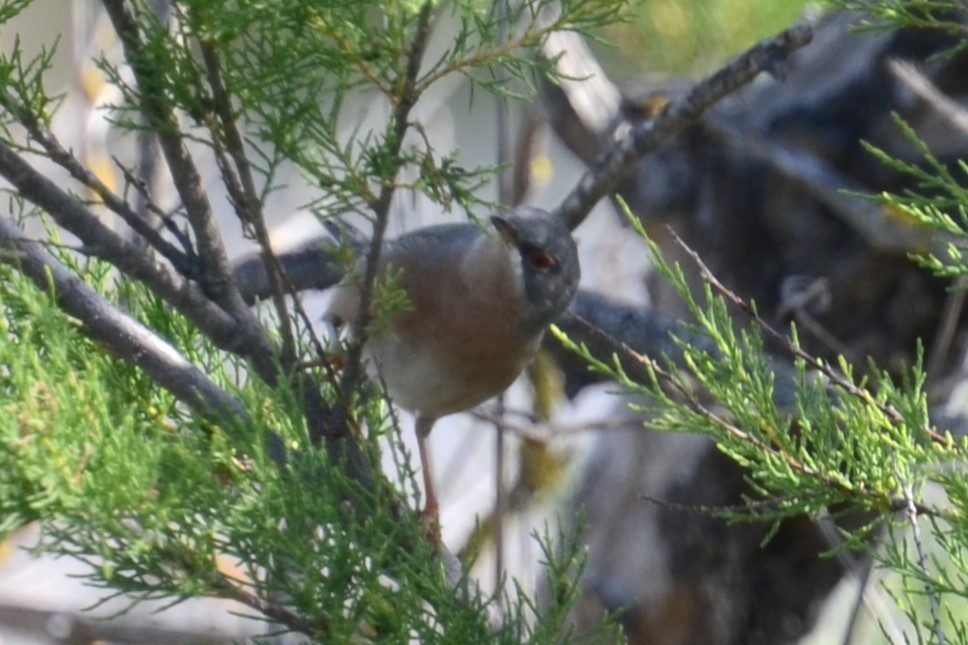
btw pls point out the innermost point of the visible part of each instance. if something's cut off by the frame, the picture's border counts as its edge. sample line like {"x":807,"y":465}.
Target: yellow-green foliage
{"x":681,"y":36}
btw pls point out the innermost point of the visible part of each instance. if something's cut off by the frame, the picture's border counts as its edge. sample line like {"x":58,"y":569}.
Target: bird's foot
{"x":430,"y":519}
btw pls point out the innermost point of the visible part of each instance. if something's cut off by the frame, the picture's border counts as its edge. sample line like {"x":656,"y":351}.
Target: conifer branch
{"x":216,"y":274}
{"x":240,"y":183}
{"x":123,"y":337}
{"x":405,"y":100}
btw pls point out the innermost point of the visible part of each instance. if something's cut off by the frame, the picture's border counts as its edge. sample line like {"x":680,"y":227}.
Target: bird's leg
{"x":430,"y":516}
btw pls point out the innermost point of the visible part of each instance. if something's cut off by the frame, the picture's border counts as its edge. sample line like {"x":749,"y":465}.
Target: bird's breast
{"x":447,"y":354}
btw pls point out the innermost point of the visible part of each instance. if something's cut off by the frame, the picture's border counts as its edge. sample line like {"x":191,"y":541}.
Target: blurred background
{"x":753,"y":187}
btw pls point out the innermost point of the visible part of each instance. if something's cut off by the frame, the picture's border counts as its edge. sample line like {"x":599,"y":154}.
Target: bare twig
{"x":692,"y":401}
{"x":179,"y":259}
{"x":911,"y":510}
{"x":533,"y":28}
{"x":145,"y":204}
{"x":647,"y":136}
{"x":748,"y":506}
{"x":148,"y":167}
{"x":598,"y":322}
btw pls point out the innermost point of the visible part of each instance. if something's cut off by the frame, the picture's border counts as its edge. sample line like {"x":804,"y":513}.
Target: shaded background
{"x":755,"y":188}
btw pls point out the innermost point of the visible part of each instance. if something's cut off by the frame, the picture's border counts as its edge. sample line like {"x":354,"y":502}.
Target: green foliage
{"x":685,"y":36}
{"x":23,"y":92}
{"x":154,"y":499}
{"x":938,"y":200}
{"x":157,"y":498}
{"x":935,"y":15}
{"x":298,"y":73}
{"x":814,"y":438}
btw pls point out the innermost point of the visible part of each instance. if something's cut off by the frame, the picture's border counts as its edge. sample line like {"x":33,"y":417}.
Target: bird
{"x":478,"y":302}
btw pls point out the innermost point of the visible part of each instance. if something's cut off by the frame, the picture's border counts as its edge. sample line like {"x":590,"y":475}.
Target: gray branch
{"x":100,"y":241}
{"x":66,"y":160}
{"x":646,"y":137}
{"x":241,"y":186}
{"x":216,"y":274}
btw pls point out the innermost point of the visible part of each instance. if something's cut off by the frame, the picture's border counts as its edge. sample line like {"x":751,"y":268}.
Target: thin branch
{"x":911,"y":514}
{"x":246,"y":197}
{"x":692,"y":401}
{"x":359,"y":59}
{"x":598,"y":322}
{"x":648,"y":136}
{"x":749,"y":506}
{"x":179,"y":259}
{"x":147,"y":205}
{"x":540,"y":25}
{"x":406,"y":99}
{"x":130,"y":341}
{"x":309,"y":267}
{"x":217,"y":279}
{"x":216,"y":276}
{"x":102,"y":242}
{"x":225,"y":331}
{"x":799,"y":300}
{"x":282,"y":615}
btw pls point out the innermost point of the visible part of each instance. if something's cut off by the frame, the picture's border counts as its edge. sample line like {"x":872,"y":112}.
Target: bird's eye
{"x":540,"y":260}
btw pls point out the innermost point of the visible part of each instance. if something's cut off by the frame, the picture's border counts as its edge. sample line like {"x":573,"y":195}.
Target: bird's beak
{"x":506,"y":230}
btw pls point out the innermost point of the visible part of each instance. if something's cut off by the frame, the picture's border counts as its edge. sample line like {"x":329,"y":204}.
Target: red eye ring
{"x":540,"y":260}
